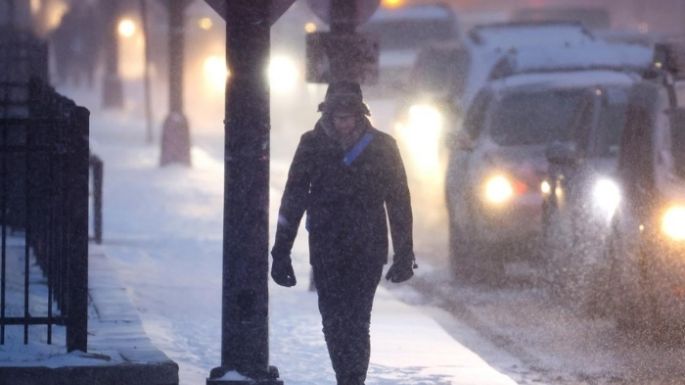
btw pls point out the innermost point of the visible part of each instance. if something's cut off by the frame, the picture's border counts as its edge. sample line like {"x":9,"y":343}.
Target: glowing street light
{"x":310,"y":27}
{"x":205,"y":23}
{"x":126,"y":28}
{"x":392,"y":3}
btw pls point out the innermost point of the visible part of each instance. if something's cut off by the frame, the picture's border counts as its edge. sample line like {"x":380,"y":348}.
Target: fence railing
{"x":44,"y":172}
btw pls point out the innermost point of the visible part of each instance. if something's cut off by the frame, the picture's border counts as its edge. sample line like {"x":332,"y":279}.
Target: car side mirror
{"x":564,"y":154}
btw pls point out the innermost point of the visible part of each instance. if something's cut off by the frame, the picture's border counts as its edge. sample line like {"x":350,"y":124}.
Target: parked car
{"x":645,"y":253}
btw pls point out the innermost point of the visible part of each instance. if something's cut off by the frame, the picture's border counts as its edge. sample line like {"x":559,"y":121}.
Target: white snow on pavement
{"x":163,"y":232}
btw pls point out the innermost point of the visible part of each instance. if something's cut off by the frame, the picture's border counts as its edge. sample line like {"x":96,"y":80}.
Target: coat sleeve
{"x":398,"y":205}
{"x":294,"y":201}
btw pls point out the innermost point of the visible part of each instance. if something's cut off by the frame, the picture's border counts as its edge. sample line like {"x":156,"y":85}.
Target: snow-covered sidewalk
{"x":163,"y":233}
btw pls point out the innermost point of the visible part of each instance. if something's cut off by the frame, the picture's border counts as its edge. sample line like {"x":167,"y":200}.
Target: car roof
{"x":518,"y":34}
{"x":415,"y":12}
{"x":586,"y":56}
{"x":566,"y":79}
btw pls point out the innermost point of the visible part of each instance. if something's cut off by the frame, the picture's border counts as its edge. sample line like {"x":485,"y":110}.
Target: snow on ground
{"x":163,"y":232}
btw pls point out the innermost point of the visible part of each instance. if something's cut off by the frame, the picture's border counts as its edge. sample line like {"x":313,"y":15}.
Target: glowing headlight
{"x":283,"y":74}
{"x":545,"y":187}
{"x":498,"y":189}
{"x":426,"y":118}
{"x":673,"y":223}
{"x":421,"y":134}
{"x":606,"y":196}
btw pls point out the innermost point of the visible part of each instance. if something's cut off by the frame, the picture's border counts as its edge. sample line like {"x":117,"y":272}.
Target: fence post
{"x":77,"y":324}
{"x":98,"y":175}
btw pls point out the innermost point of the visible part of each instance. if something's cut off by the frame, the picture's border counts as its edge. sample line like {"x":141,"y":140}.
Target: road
{"x":551,"y":343}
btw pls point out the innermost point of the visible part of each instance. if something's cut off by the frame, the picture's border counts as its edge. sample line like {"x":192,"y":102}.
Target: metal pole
{"x":175,"y":133}
{"x":146,"y":73}
{"x":343,"y":22}
{"x":77,"y":327}
{"x":98,"y":175}
{"x":112,"y":89}
{"x":244,"y":334}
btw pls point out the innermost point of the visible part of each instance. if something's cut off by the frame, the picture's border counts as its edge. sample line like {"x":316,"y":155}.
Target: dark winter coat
{"x":346,"y":204}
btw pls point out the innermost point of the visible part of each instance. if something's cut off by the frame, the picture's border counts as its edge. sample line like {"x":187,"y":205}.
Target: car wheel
{"x":553,"y":256}
{"x":662,"y":327}
{"x":626,"y":295}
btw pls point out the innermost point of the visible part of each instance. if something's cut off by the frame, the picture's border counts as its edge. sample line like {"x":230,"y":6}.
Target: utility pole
{"x":175,"y":141}
{"x":112,"y":89}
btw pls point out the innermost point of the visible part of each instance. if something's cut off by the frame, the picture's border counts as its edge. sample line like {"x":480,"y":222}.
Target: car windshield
{"x":524,"y":118}
{"x":612,"y":118}
{"x":441,"y":71}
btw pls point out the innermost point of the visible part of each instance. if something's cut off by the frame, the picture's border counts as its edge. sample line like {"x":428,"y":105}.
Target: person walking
{"x":347,"y":176}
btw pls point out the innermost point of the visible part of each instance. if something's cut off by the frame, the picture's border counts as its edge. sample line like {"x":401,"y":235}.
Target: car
{"x":645,"y":252}
{"x":580,"y":195}
{"x":496,"y":165}
{"x":594,"y":18}
{"x":446,"y":75}
{"x":497,"y":161}
{"x":487,"y":44}
{"x":401,"y":33}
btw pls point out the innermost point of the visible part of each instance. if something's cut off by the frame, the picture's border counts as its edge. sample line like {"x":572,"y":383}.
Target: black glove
{"x":401,"y":270}
{"x":282,"y":271}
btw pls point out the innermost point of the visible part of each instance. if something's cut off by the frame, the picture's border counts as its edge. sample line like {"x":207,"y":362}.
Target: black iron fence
{"x":44,"y":172}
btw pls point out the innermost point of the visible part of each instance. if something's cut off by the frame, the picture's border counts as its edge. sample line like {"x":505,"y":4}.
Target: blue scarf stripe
{"x":355,"y":151}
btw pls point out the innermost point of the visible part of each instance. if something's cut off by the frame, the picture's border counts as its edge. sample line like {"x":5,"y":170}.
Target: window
{"x":475,"y":116}
{"x":612,"y":118}
{"x":527,"y":118}
{"x":441,"y":70}
{"x":409,"y":34}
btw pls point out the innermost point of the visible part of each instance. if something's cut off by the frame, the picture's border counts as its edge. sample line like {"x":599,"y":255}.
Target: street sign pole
{"x":343,"y":22}
{"x":245,"y":296}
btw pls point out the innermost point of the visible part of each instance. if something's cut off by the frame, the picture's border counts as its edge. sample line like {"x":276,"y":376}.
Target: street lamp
{"x":175,"y":140}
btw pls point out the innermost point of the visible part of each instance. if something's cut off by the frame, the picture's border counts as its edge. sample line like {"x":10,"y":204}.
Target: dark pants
{"x":346,"y":292}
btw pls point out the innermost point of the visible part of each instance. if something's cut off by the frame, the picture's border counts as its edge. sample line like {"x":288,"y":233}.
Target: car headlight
{"x":673,"y":223}
{"x":283,"y":74}
{"x":498,"y":189}
{"x":606,"y":196}
{"x":545,"y":187}
{"x":425,"y":118}
{"x":421,"y":133}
